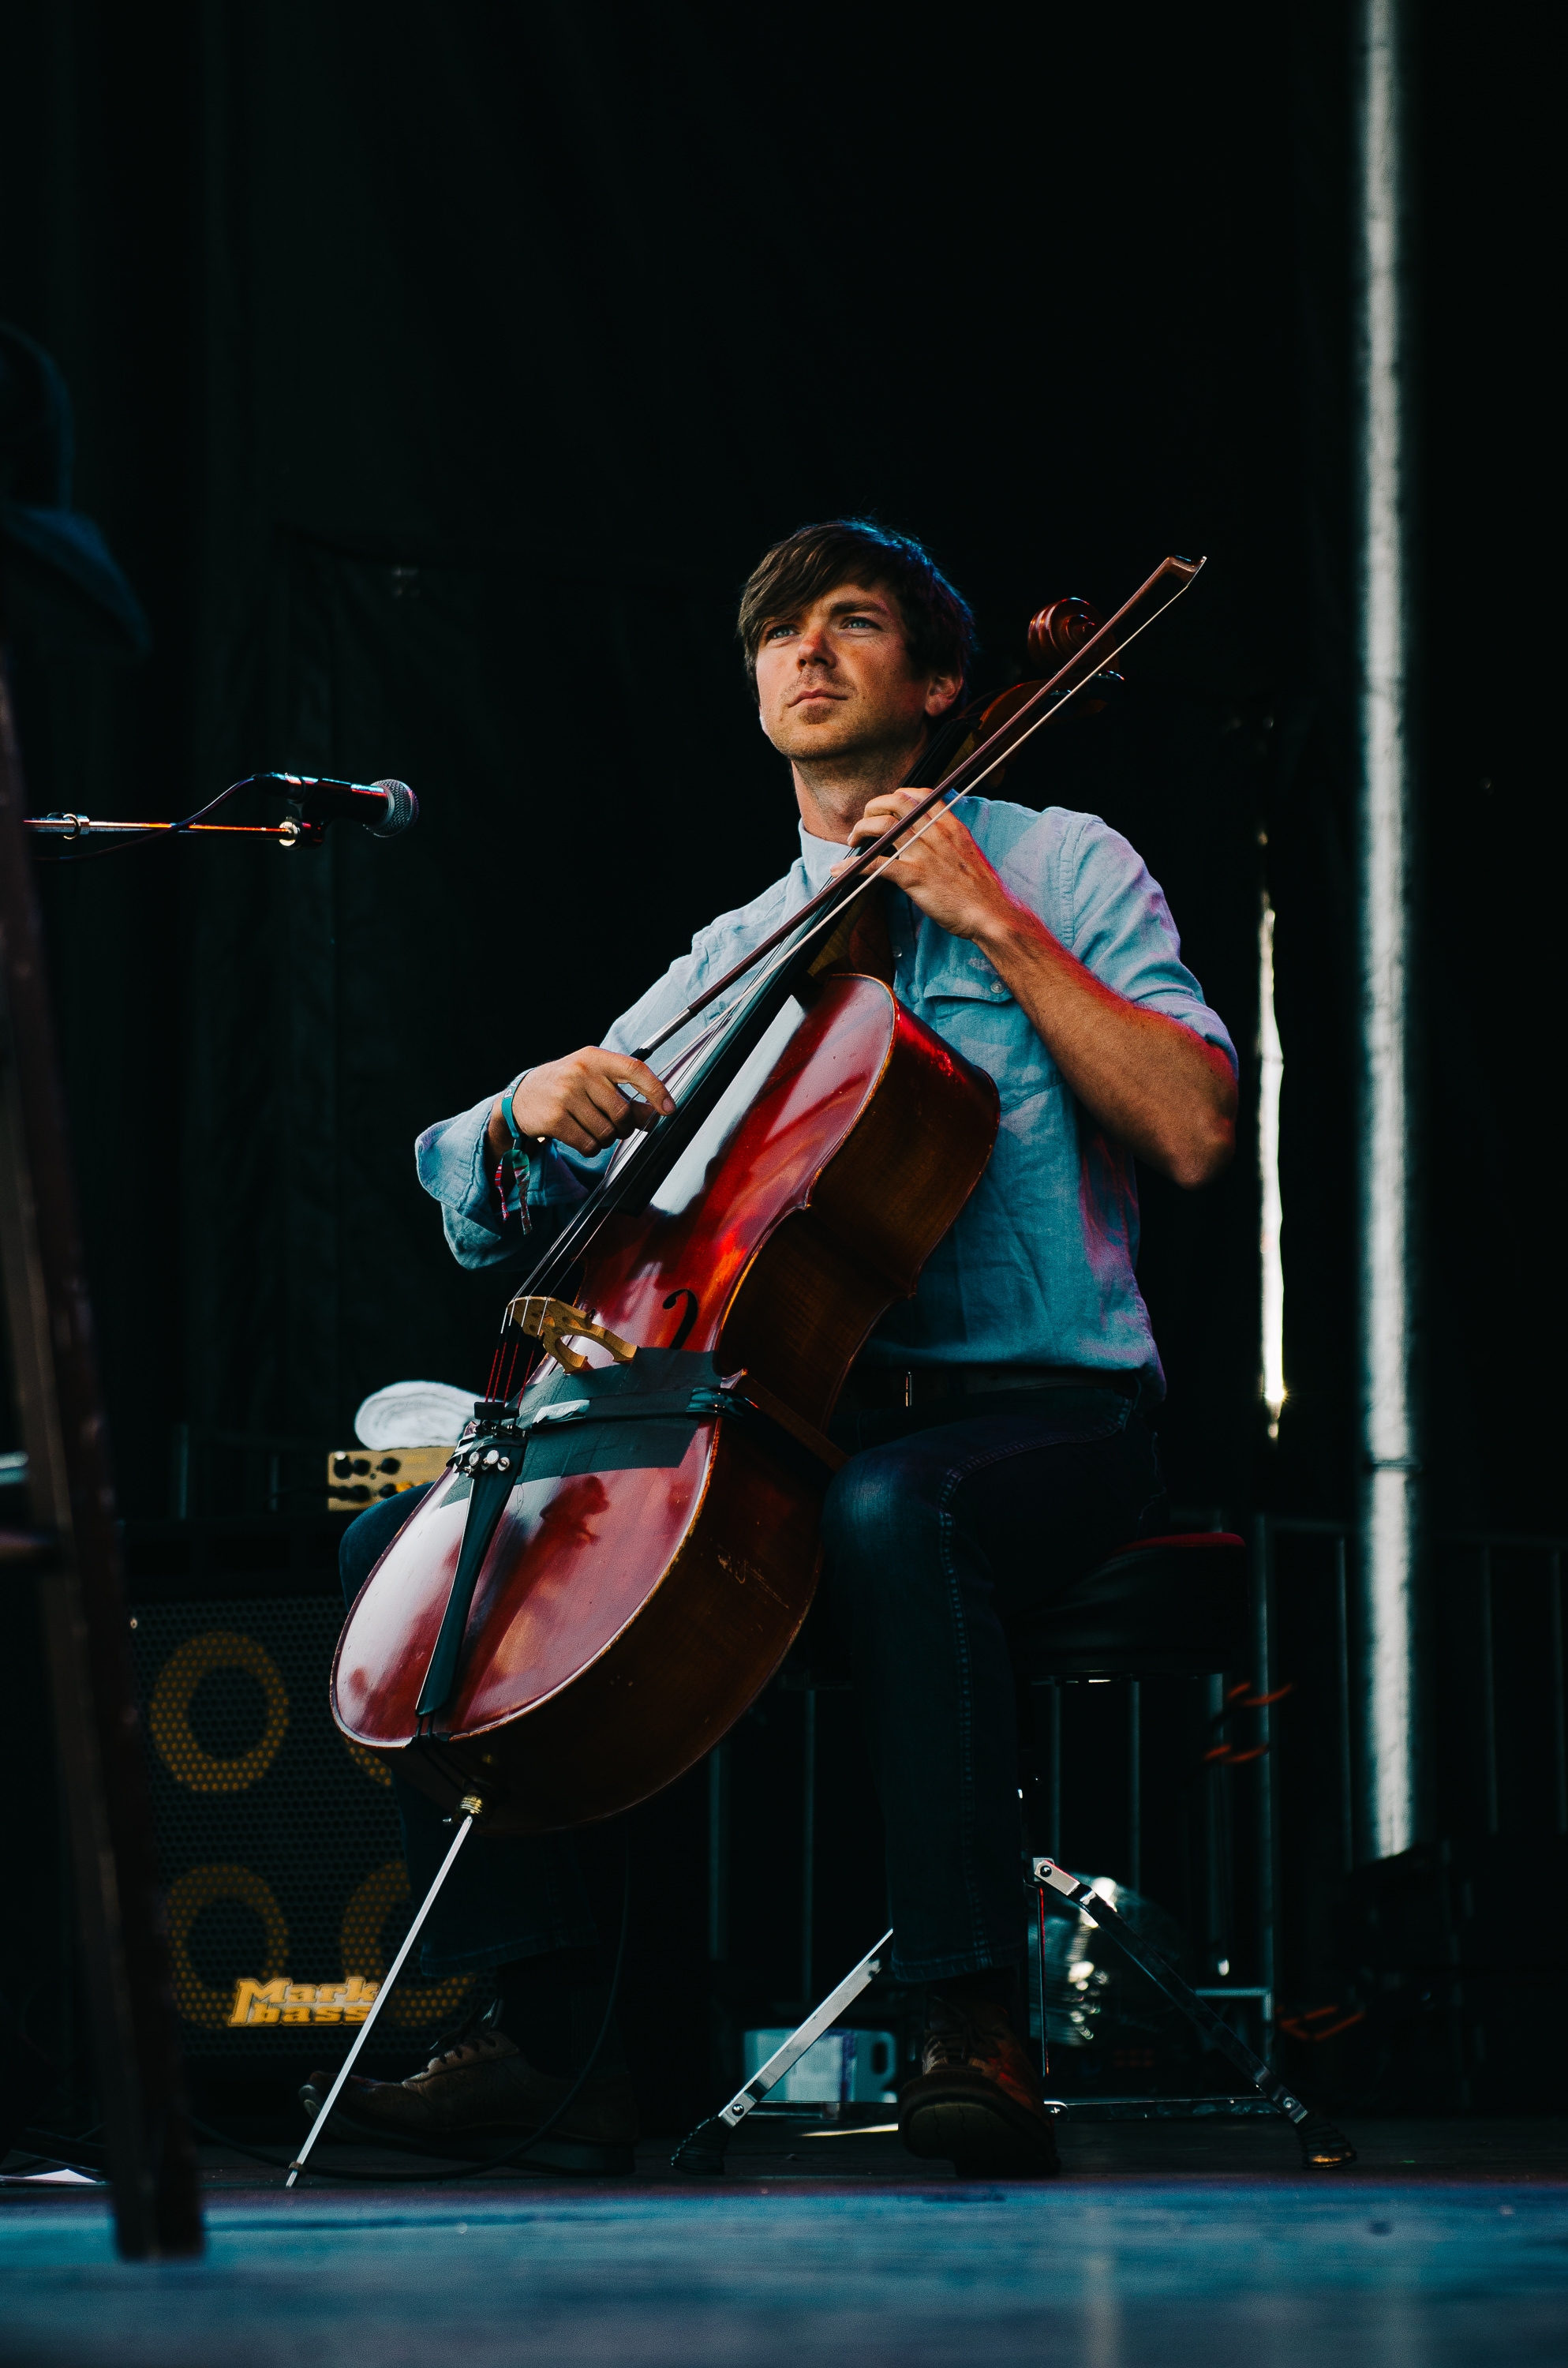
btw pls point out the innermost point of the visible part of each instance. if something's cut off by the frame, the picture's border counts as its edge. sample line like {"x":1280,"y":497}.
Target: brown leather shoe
{"x":977,"y":2101}
{"x":482,"y":2096}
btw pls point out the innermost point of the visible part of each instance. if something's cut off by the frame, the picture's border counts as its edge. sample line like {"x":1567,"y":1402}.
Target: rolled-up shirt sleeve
{"x":1120,"y":927}
{"x":452,"y":1161}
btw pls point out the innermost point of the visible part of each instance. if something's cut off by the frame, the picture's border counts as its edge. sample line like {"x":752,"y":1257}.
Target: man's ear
{"x":940,"y":693}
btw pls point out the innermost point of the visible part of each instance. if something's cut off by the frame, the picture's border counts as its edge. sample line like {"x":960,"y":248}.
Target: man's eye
{"x":777,"y":632}
{"x":869,"y":623}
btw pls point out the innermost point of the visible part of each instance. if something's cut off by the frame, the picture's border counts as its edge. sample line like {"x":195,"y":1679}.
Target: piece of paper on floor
{"x":48,"y":2179}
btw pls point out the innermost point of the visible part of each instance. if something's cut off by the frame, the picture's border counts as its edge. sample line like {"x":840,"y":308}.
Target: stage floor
{"x":1162,"y":2245}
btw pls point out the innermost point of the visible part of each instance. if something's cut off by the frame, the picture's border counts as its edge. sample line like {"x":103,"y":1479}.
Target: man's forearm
{"x":1147,"y":1079}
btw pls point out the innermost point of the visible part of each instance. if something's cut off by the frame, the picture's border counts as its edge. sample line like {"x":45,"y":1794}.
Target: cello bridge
{"x":554,"y":1322}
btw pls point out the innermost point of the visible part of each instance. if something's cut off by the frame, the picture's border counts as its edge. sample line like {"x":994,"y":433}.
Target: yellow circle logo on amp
{"x":168,"y":1715}
{"x":205,"y":1887}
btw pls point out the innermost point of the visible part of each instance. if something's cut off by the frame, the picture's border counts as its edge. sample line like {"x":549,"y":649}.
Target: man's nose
{"x":813,"y":648}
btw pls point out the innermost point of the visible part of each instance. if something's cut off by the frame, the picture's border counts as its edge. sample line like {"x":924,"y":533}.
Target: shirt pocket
{"x":970,"y":1008}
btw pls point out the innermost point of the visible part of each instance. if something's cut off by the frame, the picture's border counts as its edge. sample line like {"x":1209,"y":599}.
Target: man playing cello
{"x":997,"y":1420}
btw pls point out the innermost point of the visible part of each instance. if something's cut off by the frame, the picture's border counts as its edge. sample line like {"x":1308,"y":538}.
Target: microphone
{"x":384,"y":809}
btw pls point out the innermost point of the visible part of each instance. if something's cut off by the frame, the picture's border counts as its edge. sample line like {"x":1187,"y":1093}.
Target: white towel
{"x":413,"y":1414}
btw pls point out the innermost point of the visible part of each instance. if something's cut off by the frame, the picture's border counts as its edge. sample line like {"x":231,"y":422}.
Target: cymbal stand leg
{"x":472,"y":1809}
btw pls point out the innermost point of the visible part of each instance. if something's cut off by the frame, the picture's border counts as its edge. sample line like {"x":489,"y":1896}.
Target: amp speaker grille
{"x":279,"y":1839}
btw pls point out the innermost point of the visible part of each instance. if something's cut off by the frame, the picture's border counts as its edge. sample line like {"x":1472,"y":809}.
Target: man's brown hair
{"x":939,"y":627}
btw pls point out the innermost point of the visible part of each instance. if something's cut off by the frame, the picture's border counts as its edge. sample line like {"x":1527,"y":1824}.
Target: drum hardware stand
{"x":72,"y":1548}
{"x":1323,"y":2147}
{"x":472,"y":1809}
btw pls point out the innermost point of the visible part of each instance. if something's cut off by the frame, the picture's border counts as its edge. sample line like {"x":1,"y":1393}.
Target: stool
{"x":1173,"y":1607}
{"x":1158,"y":1607}
{"x":1161,"y":1607}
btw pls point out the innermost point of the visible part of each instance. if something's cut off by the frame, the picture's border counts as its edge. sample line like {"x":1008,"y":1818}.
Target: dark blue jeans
{"x":940,"y":1536}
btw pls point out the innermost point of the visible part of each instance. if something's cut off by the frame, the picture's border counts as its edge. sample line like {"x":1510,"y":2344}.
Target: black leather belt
{"x":919,"y":1386}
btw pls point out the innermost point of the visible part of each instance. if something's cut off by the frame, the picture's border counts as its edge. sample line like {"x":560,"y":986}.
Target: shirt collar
{"x":819,"y":855}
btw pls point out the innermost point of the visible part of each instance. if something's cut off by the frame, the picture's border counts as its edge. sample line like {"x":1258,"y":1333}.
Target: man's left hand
{"x":941,"y":869}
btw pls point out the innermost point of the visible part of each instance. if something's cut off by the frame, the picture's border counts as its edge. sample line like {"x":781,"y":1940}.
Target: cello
{"x":624,"y":1546}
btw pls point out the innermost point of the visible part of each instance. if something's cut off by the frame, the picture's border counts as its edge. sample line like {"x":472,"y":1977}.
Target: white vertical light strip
{"x":1271,"y":1072}
{"x":1388,"y":1443}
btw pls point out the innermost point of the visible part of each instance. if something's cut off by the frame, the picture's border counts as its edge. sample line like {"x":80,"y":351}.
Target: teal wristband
{"x":522,"y":1153}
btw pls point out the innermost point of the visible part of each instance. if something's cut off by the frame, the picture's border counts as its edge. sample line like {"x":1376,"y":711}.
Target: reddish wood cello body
{"x":624,"y":1619}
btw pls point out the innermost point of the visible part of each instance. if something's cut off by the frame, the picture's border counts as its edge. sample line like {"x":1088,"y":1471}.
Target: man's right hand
{"x":586,"y":1101}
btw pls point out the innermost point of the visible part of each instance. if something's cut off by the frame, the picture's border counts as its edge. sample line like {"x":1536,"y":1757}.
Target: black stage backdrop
{"x":439,"y":374}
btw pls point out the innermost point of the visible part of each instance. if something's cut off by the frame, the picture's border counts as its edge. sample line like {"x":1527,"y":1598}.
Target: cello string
{"x":859,"y":882}
{"x":570,"y":1245}
{"x":1115,"y":642}
{"x":798,"y":944}
{"x":495,"y":1367}
{"x":855,"y":883}
{"x":864,"y":879}
{"x":812,"y":922}
{"x":567,"y":1248}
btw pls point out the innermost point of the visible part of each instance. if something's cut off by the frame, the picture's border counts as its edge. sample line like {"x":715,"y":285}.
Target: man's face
{"x":834,"y":678}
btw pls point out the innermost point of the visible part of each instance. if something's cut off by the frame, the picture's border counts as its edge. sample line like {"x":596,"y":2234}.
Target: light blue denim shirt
{"x":1039,"y":1267}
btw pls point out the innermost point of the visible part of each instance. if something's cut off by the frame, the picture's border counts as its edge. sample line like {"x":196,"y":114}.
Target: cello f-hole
{"x":683,"y":1329}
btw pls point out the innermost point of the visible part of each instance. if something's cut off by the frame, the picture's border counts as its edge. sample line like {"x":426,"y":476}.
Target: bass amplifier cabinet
{"x":277,"y":1839}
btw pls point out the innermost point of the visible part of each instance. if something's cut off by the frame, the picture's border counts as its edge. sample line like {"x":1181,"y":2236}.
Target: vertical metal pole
{"x":123,"y":1953}
{"x":1053,"y":1776}
{"x":1559,"y":1709}
{"x":1038,"y":1946}
{"x":1262,"y":1682}
{"x":69,"y":2048}
{"x":809,"y":1843}
{"x":1342,"y":1656}
{"x":719,"y":1854}
{"x":1134,"y":1786}
{"x":179,"y":1471}
{"x":1389,"y":1453}
{"x":1488,"y":1696}
{"x":1270,"y":1083}
{"x":1213,"y":1904}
